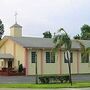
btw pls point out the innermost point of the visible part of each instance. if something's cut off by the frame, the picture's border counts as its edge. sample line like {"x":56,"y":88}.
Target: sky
{"x":38,"y":16}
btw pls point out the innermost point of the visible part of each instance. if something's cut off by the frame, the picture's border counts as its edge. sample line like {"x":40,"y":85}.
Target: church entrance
{"x":9,"y":64}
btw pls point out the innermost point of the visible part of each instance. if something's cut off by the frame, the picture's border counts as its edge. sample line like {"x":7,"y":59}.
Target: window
{"x":84,"y":58}
{"x":71,"y":59}
{"x":47,"y":57}
{"x":33,"y":57}
{"x":50,"y":57}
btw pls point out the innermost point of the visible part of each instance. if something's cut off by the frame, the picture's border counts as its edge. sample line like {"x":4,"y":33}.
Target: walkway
{"x":43,"y":89}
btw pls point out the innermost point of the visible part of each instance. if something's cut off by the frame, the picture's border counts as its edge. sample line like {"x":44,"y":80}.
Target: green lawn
{"x":65,"y":85}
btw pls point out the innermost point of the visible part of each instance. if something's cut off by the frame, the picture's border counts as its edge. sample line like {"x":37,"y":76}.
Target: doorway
{"x":9,"y":64}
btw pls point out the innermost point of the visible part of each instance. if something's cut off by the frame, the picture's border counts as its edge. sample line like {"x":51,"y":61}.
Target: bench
{"x":53,"y":79}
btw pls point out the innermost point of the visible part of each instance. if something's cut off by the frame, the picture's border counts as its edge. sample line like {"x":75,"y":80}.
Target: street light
{"x":67,"y":57}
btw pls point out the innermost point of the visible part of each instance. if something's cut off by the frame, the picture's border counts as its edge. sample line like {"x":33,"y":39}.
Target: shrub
{"x":20,"y":68}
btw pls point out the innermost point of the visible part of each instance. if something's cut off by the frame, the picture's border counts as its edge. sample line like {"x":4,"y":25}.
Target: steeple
{"x":16,"y":29}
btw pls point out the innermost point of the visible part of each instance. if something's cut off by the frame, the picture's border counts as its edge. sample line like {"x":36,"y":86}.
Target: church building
{"x":17,"y":49}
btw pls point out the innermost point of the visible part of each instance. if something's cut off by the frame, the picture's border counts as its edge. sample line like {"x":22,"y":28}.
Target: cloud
{"x":37,"y":16}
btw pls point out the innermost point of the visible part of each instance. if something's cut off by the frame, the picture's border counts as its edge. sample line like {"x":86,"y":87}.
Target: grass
{"x":64,"y":85}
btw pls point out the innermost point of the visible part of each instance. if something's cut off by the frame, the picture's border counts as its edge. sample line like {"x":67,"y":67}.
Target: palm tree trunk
{"x":69,"y":66}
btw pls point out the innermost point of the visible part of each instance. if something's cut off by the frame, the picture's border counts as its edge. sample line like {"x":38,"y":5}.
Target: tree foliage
{"x":1,"y":29}
{"x":47,"y":34}
{"x":85,"y":33}
{"x":62,"y":39}
{"x":77,"y":36}
{"x":20,"y":68}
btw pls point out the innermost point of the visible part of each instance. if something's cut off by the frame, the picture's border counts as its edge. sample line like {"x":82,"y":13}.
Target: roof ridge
{"x":28,"y":37}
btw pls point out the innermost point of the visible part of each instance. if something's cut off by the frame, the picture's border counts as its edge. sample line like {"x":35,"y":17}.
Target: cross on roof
{"x":16,"y":17}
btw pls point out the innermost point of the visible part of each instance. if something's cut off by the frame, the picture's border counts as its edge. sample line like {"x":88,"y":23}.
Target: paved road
{"x":31,"y":79}
{"x":17,"y":79}
{"x":81,"y":77}
{"x":42,"y":89}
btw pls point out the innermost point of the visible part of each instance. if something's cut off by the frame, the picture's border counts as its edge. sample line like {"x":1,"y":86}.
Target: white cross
{"x":16,"y":17}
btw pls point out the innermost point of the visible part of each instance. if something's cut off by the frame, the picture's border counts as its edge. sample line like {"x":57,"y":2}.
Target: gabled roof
{"x":86,"y":43}
{"x":30,"y":42}
{"x":34,"y":42}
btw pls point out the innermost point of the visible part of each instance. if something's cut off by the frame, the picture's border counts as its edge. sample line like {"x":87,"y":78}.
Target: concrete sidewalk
{"x":44,"y":89}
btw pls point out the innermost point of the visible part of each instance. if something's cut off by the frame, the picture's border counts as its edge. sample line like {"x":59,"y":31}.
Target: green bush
{"x":55,"y":79}
{"x":20,"y":68}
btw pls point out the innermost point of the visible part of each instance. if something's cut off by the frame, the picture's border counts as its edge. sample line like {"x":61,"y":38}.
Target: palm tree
{"x":62,"y":39}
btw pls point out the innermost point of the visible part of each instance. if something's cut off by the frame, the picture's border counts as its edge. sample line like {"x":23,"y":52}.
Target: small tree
{"x":77,"y":36}
{"x":1,"y":29}
{"x":47,"y":34}
{"x":85,"y":33}
{"x":20,"y":68}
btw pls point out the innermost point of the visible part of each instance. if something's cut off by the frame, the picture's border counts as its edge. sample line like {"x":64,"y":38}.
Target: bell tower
{"x":16,"y":29}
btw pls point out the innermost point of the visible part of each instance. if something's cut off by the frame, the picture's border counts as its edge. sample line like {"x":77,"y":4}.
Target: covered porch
{"x":7,"y":66}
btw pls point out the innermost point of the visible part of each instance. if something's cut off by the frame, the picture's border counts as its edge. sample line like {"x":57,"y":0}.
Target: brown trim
{"x":41,"y":62}
{"x":26,"y":60}
{"x":77,"y":61}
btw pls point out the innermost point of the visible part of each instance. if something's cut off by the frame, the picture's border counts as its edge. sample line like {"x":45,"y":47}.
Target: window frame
{"x":34,"y":56}
{"x":51,"y":57}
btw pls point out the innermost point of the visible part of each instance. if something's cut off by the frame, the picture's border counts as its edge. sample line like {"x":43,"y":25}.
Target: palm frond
{"x":83,"y":49}
{"x":55,"y":38}
{"x":62,"y":39}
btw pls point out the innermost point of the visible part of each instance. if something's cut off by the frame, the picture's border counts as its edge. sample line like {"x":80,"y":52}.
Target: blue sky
{"x":38,"y":16}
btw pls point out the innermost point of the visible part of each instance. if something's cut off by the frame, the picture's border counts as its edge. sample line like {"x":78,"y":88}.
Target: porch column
{"x":77,"y":61}
{"x":42,"y":61}
{"x":60,"y":61}
{"x":14,"y":54}
{"x":26,"y":60}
